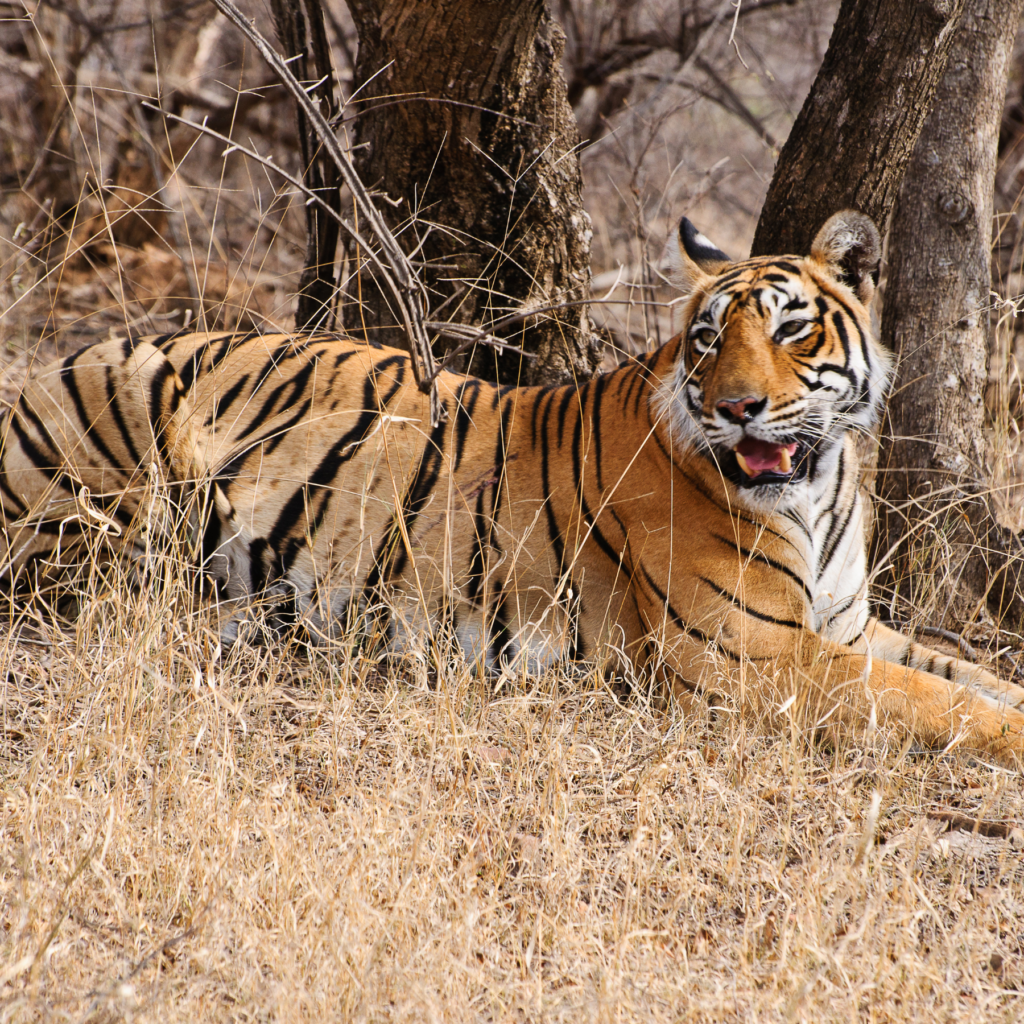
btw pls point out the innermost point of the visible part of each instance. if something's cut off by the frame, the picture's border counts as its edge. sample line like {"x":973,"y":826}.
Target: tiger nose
{"x":742,"y":409}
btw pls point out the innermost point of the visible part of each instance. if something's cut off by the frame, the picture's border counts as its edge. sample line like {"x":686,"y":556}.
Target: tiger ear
{"x":851,"y":249}
{"x":691,"y":260}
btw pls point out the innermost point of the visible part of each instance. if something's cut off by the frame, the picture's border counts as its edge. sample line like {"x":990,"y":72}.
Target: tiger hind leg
{"x":99,"y":447}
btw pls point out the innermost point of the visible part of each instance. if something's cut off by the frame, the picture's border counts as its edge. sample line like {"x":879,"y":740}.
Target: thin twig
{"x":397,"y":274}
{"x":943,"y":634}
{"x":954,"y":638}
{"x":470,"y":335}
{"x":473,"y":336}
{"x":955,"y":821}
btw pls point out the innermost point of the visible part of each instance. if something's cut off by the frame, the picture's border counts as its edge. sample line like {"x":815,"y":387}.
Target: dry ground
{"x":275,"y":835}
{"x":271,"y":834}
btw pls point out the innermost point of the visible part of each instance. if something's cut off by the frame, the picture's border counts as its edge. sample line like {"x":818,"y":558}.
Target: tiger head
{"x":778,"y":360}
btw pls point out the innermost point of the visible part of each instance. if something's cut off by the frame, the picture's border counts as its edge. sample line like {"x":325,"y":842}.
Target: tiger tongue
{"x":755,"y":456}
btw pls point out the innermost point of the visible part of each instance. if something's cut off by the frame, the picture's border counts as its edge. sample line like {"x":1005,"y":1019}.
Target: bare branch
{"x":470,"y":335}
{"x":398,"y":274}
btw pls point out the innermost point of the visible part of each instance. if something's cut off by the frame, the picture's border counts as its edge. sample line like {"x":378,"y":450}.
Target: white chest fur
{"x":825,"y":520}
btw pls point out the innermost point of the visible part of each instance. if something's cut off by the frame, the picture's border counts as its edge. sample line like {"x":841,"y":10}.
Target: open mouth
{"x":764,"y":462}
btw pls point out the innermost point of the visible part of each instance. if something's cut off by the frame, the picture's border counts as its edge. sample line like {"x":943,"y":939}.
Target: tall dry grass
{"x":273,"y":833}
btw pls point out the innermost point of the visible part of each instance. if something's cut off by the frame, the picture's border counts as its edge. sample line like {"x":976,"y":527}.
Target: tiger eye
{"x":790,"y":329}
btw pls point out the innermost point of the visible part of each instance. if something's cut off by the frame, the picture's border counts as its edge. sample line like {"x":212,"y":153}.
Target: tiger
{"x":693,"y":518}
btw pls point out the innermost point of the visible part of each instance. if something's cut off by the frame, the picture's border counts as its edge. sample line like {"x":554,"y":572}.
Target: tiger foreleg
{"x":894,"y":647}
{"x":859,"y":692}
{"x":841,"y":691}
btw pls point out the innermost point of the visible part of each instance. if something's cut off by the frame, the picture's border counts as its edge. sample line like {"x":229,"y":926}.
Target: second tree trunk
{"x":936,"y":525}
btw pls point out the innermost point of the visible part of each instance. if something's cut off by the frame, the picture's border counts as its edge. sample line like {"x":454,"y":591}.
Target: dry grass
{"x":273,"y":837}
{"x":277,"y":834}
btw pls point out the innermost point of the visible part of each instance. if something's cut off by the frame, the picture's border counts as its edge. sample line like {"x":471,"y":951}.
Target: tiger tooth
{"x":785,"y":462}
{"x":743,"y":464}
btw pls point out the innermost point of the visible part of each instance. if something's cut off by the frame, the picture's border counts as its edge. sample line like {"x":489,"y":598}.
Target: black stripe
{"x":267,"y":443}
{"x":594,"y":531}
{"x":835,"y":535}
{"x":862,"y":337}
{"x":298,"y":512}
{"x":729,"y":277}
{"x":791,"y":516}
{"x":258,"y":570}
{"x":634,"y":380}
{"x":475,"y":572}
{"x":114,"y":407}
{"x":287,"y":391}
{"x":464,"y":416}
{"x":157,"y":412}
{"x":222,"y":403}
{"x":574,"y":612}
{"x":500,"y":459}
{"x":539,"y":398}
{"x":760,"y":556}
{"x":563,"y":408}
{"x":844,"y":338}
{"x":830,"y":507}
{"x":691,"y":631}
{"x":577,"y":455}
{"x":67,"y":377}
{"x":807,"y":358}
{"x":419,"y":493}
{"x":838,"y":610}
{"x":646,"y":383}
{"x":5,"y":488}
{"x":597,"y":388}
{"x":499,"y":631}
{"x":189,"y":370}
{"x":475,"y":569}
{"x":274,"y":437}
{"x":904,"y":658}
{"x":554,"y":534}
{"x":160,"y":340}
{"x":746,"y":609}
{"x":211,"y":524}
{"x":44,"y":463}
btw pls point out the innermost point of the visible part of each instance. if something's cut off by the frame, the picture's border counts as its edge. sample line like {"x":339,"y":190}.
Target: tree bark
{"x":300,"y":29}
{"x":948,"y":549}
{"x":464,"y":122}
{"x":857,"y":128}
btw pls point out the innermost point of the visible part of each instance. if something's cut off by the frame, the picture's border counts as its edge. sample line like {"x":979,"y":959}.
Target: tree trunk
{"x":857,"y":128}
{"x":300,"y":28}
{"x":936,"y":520}
{"x":465,"y":124}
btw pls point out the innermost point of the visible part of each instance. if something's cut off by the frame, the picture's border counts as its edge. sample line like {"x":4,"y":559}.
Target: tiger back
{"x":693,"y":517}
